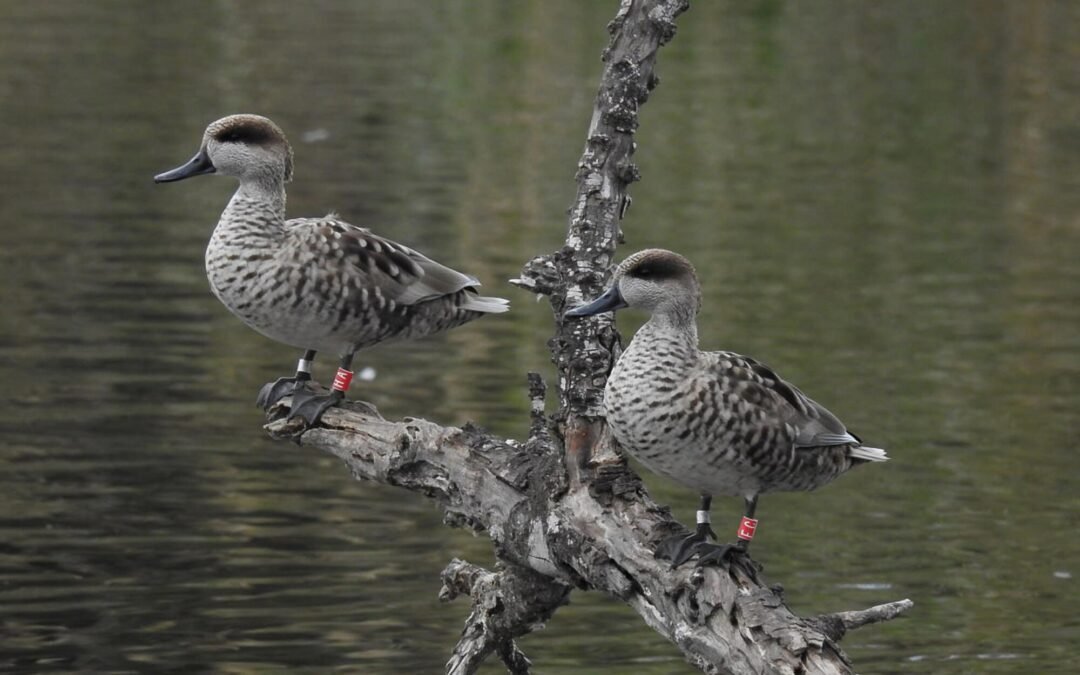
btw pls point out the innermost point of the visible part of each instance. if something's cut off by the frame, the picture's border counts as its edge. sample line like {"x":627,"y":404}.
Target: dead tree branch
{"x":562,"y":509}
{"x":506,"y":605}
{"x":553,"y":537}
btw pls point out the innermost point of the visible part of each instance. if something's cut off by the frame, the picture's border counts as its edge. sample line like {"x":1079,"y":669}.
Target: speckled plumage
{"x":323,"y":284}
{"x":713,"y":421}
{"x":718,"y":422}
{"x":318,"y":284}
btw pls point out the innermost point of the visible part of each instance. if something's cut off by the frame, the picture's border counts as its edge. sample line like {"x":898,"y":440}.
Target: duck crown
{"x":246,"y":128}
{"x":657,"y":264}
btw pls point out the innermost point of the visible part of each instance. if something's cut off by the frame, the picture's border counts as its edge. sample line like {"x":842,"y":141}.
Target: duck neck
{"x":673,"y":329}
{"x":257,"y":205}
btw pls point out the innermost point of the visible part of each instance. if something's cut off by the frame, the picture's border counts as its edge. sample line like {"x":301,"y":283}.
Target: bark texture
{"x":562,"y":509}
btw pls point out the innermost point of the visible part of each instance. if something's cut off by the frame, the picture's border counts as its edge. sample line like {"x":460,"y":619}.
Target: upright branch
{"x":562,"y":509}
{"x":585,"y":351}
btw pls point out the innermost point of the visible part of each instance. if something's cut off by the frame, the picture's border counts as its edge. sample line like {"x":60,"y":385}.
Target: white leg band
{"x":703,"y":517}
{"x":303,"y":366}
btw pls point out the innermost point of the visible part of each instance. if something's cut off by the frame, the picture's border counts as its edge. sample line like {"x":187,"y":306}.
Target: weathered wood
{"x":562,"y":509}
{"x":506,"y":604}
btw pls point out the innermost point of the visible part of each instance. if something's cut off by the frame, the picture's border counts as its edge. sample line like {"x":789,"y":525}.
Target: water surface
{"x":883,"y":201}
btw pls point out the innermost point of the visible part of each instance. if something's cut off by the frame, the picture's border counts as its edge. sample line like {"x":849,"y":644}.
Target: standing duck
{"x":318,"y":284}
{"x":717,"y":422}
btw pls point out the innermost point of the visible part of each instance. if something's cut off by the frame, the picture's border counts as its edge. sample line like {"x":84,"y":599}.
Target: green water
{"x":883,"y":201}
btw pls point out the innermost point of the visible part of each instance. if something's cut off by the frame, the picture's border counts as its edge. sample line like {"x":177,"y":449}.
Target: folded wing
{"x":401,"y":274}
{"x":814,"y":425}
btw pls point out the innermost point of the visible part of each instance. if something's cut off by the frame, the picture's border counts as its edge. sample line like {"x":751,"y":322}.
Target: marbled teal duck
{"x":319,"y":284}
{"x":718,"y":422}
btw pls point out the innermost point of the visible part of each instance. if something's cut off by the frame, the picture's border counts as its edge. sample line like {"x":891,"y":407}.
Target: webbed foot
{"x":272,"y":392}
{"x":727,"y":555}
{"x":680,"y":548}
{"x":310,"y":406}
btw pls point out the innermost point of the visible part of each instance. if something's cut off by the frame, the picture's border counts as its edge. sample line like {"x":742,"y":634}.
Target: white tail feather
{"x":869,"y":454}
{"x":480,"y":303}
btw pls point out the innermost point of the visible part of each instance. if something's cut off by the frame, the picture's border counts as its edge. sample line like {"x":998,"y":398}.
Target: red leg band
{"x":342,"y":380}
{"x":746,"y":528}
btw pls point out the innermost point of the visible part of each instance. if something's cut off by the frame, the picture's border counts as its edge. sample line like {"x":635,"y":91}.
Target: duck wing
{"x":398,"y":272}
{"x":813,"y":424}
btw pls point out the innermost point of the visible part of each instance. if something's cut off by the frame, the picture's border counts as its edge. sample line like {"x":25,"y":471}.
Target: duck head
{"x":654,"y":280}
{"x":249,"y":147}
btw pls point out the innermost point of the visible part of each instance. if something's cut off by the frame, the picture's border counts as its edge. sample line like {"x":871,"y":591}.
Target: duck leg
{"x":272,"y":392}
{"x":732,"y":554}
{"x":310,"y":406}
{"x":679,"y":549}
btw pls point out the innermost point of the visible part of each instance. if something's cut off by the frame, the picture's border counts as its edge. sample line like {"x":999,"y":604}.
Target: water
{"x":883,"y":202}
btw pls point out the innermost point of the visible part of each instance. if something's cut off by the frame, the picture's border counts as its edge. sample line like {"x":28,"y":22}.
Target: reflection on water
{"x":882,"y":201}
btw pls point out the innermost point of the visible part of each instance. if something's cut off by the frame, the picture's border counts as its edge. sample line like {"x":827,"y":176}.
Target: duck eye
{"x":644,"y":273}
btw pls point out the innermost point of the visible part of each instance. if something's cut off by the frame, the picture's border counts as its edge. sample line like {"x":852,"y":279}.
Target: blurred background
{"x":882,"y":199}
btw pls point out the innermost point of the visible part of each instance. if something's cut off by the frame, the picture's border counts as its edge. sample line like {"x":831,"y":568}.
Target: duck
{"x":717,"y":422}
{"x":316,"y":284}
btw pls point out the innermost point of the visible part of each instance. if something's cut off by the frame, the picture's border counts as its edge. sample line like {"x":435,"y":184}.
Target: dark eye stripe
{"x":657,"y":269}
{"x":255,"y":134}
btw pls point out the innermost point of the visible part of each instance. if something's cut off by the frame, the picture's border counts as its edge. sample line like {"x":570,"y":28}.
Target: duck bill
{"x":196,"y":166}
{"x":610,"y":301}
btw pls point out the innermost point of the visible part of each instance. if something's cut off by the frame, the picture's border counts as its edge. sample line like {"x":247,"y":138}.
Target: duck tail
{"x":486,"y":304}
{"x":869,"y":454}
